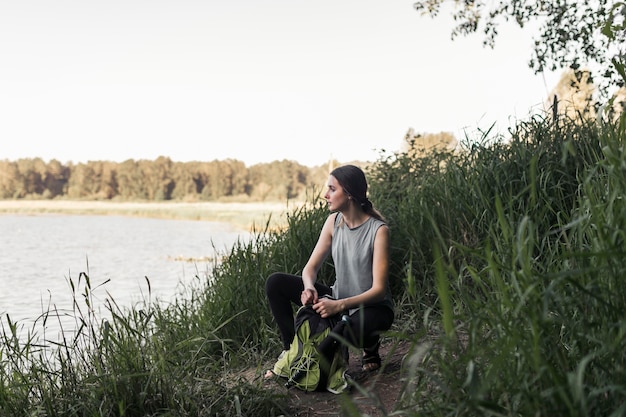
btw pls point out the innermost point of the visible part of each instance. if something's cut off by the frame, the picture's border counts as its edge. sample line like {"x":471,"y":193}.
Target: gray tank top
{"x":353,"y":255}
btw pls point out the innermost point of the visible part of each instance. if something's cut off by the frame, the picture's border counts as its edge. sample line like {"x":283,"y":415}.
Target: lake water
{"x":40,"y":254}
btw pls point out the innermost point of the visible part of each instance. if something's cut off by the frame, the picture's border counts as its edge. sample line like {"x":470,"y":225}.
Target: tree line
{"x":158,"y":180}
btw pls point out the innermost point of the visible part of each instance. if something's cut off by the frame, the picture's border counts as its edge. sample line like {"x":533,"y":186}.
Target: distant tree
{"x":185,"y":184}
{"x":279,"y":180}
{"x":108,"y":187}
{"x":83,"y":182}
{"x":30,"y":177}
{"x":573,"y":96}
{"x":56,"y":179}
{"x":213,"y":188}
{"x":157,"y":178}
{"x":318,"y":177}
{"x":130,"y":181}
{"x":261,"y":187}
{"x":417,"y":145}
{"x":9,"y":175}
{"x":231,"y":177}
{"x":570,"y":34}
{"x":240,"y":179}
{"x":203,"y":175}
{"x":261,"y":191}
{"x":297,"y":179}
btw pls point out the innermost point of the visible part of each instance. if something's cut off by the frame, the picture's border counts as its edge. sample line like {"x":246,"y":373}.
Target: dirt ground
{"x":377,"y":400}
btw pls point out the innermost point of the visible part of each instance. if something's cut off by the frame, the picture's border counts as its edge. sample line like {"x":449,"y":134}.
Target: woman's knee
{"x":272,"y":282}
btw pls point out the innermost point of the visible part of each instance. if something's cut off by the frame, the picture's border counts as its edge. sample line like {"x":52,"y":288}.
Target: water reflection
{"x":125,"y":259}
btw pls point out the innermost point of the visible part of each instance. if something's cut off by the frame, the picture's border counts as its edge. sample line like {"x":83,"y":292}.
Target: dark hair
{"x":352,"y":179}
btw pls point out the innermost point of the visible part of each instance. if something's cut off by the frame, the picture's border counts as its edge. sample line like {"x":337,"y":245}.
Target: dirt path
{"x":382,"y":388}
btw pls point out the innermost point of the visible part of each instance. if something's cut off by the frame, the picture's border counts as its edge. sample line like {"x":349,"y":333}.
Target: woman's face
{"x":335,"y":196}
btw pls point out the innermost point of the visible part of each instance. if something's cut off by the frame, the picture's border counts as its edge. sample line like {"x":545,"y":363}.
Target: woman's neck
{"x":354,"y":216}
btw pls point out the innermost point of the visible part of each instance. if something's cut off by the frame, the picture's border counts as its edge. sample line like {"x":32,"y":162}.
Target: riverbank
{"x":246,"y":216}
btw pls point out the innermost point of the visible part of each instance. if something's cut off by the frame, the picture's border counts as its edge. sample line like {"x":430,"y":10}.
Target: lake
{"x":40,"y":254}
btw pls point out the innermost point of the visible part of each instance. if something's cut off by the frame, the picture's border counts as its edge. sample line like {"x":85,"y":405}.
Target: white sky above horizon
{"x":254,"y":81}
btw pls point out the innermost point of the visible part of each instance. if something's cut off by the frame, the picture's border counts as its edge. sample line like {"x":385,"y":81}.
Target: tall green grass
{"x":507,"y":261}
{"x":525,"y":271}
{"x":127,"y":362}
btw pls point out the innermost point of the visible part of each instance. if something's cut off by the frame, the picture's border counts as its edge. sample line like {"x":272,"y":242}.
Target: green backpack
{"x":314,"y":361}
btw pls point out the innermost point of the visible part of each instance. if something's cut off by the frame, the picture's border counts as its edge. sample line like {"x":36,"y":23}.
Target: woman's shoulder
{"x":331,"y":221}
{"x":377,"y":223}
{"x":334,"y":217}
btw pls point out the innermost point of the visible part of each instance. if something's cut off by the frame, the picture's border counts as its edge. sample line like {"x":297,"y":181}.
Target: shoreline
{"x":247,"y":216}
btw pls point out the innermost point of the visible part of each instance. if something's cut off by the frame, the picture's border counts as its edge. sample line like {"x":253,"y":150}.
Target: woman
{"x":357,"y":237}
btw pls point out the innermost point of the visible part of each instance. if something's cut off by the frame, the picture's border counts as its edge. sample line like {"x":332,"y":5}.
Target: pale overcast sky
{"x":252,"y":80}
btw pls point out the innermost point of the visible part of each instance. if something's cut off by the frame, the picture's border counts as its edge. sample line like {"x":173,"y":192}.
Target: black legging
{"x":365,"y":326}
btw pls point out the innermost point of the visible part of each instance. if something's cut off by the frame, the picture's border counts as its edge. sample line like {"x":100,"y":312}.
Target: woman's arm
{"x":317,"y":258}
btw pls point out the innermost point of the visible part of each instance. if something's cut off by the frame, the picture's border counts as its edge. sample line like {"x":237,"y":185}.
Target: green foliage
{"x":537,"y":293}
{"x":133,"y":362}
{"x":569,"y":35}
{"x":507,"y":266}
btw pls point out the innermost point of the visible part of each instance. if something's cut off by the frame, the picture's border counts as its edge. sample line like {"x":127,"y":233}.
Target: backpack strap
{"x":317,"y":324}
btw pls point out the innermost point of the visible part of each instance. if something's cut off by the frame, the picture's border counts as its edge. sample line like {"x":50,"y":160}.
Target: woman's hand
{"x":327,"y":307}
{"x":308,"y":296}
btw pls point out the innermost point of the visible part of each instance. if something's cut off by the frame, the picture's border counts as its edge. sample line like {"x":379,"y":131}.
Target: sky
{"x":256,"y":81}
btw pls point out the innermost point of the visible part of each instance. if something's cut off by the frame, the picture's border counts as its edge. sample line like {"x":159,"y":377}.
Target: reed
{"x":125,"y":362}
{"x":530,"y":297}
